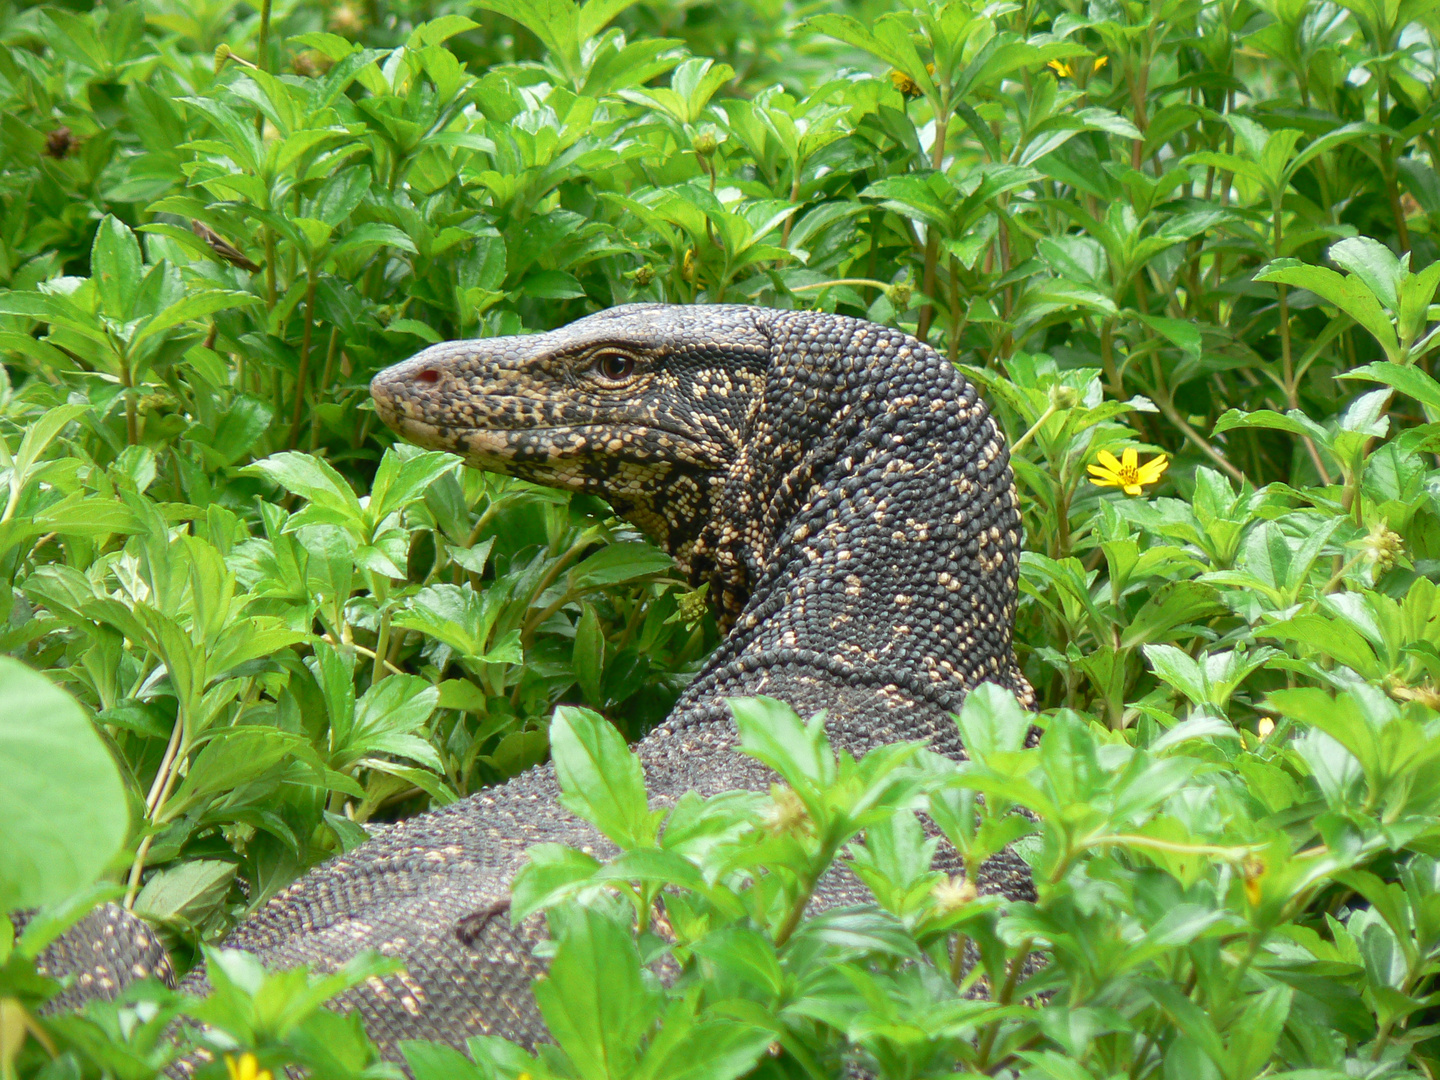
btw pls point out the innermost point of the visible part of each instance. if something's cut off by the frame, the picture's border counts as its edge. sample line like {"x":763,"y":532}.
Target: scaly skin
{"x":849,"y":500}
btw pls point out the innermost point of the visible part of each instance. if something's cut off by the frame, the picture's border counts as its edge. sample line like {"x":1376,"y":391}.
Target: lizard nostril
{"x":427,"y":375}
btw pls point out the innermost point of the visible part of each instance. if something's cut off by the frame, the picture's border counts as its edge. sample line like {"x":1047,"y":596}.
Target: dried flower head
{"x":60,"y":142}
{"x":1426,"y":693}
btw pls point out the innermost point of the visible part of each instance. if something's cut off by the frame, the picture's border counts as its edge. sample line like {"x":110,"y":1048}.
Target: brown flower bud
{"x":60,"y":142}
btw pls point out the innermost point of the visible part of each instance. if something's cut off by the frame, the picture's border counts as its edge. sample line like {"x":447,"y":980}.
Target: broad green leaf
{"x":601,"y":778}
{"x":116,"y":267}
{"x":63,"y":810}
{"x":1350,"y":294}
{"x":618,"y":563}
{"x":595,"y":1002}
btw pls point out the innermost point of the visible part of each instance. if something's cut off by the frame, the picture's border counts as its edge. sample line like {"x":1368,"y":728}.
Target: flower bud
{"x":1064,"y":397}
{"x":953,"y":894}
{"x":692,"y":605}
{"x":643,"y":275}
{"x":1381,"y":547}
{"x":899,"y":295}
{"x":787,"y":814}
{"x":704,"y":143}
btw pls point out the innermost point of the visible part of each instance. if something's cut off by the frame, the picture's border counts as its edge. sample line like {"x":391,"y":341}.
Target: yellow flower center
{"x":1128,"y":474}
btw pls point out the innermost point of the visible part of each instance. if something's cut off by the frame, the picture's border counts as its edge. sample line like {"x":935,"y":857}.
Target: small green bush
{"x":1187,"y":248}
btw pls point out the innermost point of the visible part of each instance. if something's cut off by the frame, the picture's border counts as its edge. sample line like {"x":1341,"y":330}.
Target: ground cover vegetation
{"x":1200,"y":234}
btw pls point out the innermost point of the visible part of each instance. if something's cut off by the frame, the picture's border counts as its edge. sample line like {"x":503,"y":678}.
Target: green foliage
{"x":51,"y":843}
{"x":1202,"y":229}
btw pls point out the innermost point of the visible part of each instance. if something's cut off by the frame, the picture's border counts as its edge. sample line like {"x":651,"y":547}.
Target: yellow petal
{"x":1104,"y":481}
{"x":1108,"y":460}
{"x":1134,"y":489}
{"x":1100,"y":62}
{"x":1130,"y":459}
{"x":1151,"y":471}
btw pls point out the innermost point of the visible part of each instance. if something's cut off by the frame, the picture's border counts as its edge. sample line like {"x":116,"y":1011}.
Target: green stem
{"x":327,"y":377}
{"x":802,"y":899}
{"x":264,"y":57}
{"x":302,"y":376}
{"x":132,"y":420}
{"x":1012,"y":978}
{"x":160,"y":789}
{"x":382,"y":645}
{"x":1050,"y":410}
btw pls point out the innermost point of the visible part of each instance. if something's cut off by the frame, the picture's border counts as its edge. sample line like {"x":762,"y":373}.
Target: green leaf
{"x":771,"y":732}
{"x":595,"y":1002}
{"x":617,"y":563}
{"x":1179,"y":332}
{"x":1374,"y":264}
{"x":1409,"y":380}
{"x":189,"y":891}
{"x":992,"y":721}
{"x":63,"y":810}
{"x":601,"y":778}
{"x":1350,"y":294}
{"x":314,"y":479}
{"x":235,"y":756}
{"x":402,"y":479}
{"x":116,"y":267}
{"x":589,"y":655}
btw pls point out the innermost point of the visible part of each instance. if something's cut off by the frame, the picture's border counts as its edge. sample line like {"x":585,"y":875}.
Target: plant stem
{"x":127,"y":383}
{"x":160,"y":789}
{"x":1050,"y":410}
{"x":802,"y":899}
{"x":264,"y":47}
{"x":302,"y":376}
{"x":327,"y":377}
{"x":382,"y":644}
{"x":1012,"y":978}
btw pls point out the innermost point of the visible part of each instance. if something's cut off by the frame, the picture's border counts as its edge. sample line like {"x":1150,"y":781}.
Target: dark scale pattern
{"x":848,"y":497}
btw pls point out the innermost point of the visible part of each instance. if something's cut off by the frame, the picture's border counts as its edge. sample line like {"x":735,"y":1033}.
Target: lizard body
{"x":848,"y":498}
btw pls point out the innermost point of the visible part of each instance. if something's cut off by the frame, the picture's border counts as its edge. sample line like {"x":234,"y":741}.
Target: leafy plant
{"x":1199,"y":232}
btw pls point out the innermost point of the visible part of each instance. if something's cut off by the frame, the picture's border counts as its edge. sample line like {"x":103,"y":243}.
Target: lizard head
{"x":644,"y":405}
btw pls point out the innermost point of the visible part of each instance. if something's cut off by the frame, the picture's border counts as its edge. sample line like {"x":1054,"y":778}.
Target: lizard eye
{"x":427,"y":375}
{"x":614,"y":367}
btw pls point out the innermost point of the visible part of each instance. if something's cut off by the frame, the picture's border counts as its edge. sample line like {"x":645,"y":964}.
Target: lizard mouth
{"x":539,"y":449}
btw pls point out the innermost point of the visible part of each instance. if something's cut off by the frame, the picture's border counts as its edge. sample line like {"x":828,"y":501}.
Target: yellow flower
{"x":1065,"y":71}
{"x":904,"y":83}
{"x":247,"y":1068}
{"x":1127,"y":473}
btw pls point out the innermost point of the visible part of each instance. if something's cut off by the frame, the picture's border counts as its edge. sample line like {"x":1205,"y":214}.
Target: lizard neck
{"x":870,"y":529}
